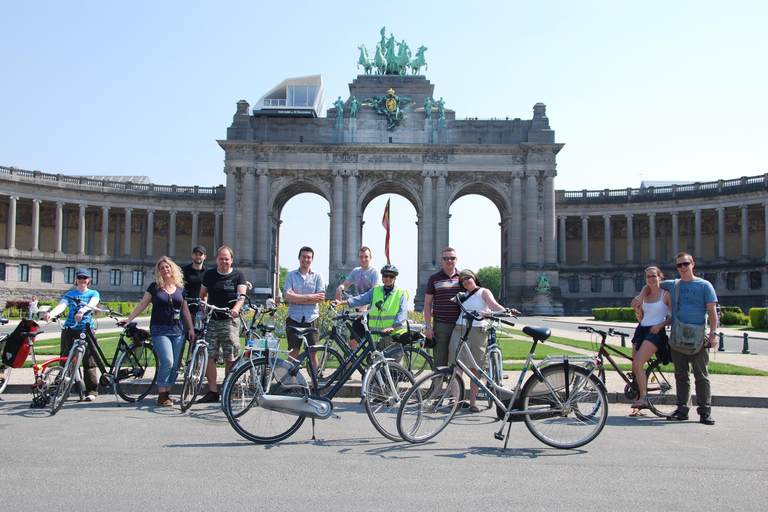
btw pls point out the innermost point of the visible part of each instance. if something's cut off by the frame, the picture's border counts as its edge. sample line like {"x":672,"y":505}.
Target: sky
{"x":636,"y":91}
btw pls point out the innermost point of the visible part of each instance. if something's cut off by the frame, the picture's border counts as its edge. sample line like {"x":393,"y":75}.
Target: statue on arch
{"x":339,"y":108}
{"x":543,"y":285}
{"x":428,"y":107}
{"x":354,"y":104}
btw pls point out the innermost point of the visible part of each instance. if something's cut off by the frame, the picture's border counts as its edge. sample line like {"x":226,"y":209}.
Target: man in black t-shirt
{"x":193,"y":277}
{"x":221,"y":285}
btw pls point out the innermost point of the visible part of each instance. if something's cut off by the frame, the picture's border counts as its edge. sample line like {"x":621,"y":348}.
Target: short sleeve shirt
{"x":163,"y":306}
{"x":84,"y":298}
{"x":443,"y":288}
{"x":222,"y":288}
{"x":365,"y":279}
{"x":694,"y":297}
{"x":303,"y":285}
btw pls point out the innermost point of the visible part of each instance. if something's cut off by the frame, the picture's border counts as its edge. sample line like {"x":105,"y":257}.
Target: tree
{"x":490,"y":277}
{"x":283,"y":275}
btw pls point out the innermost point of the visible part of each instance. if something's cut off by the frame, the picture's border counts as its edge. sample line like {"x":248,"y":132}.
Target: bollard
{"x":721,"y":348}
{"x":623,"y":340}
{"x":745,"y":349}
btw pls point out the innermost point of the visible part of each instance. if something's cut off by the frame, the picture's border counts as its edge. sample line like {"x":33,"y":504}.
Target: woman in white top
{"x":650,"y":335}
{"x":478,"y":299}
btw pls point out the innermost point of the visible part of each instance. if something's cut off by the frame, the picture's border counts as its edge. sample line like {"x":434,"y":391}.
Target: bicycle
{"x":267,"y":399}
{"x":5,"y":371}
{"x":563,"y":405}
{"x":495,"y":367}
{"x":132,"y":373}
{"x":661,"y":400}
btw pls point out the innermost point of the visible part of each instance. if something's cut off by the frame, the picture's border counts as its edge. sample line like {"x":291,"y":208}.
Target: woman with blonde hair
{"x":169,"y":308}
{"x":650,"y":335}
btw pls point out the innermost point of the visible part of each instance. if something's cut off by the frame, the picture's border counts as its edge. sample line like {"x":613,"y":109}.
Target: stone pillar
{"x":352,"y":227}
{"x":11,"y":226}
{"x":58,"y":226}
{"x":550,"y":239}
{"x":441,"y":217}
{"x":263,"y":242}
{"x":585,"y":238}
{"x":630,"y":238}
{"x":561,"y":241}
{"x":247,"y":228}
{"x":531,"y":218}
{"x":195,"y":230}
{"x":81,"y":230}
{"x":652,"y":237}
{"x":697,"y":249}
{"x":150,"y":233}
{"x":426,"y":223}
{"x":675,"y":233}
{"x":720,"y":233}
{"x":230,"y":207}
{"x":516,"y":228}
{"x":217,"y":230}
{"x":745,"y":232}
{"x":172,"y":234}
{"x":36,"y":225}
{"x":127,"y":234}
{"x":337,"y":220}
{"x":104,"y":230}
{"x":607,"y":244}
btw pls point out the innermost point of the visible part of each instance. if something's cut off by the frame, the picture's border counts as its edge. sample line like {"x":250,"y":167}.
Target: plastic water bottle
{"x":273,"y":343}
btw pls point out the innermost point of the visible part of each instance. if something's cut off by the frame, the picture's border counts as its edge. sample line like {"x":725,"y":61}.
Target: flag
{"x":385,"y":223}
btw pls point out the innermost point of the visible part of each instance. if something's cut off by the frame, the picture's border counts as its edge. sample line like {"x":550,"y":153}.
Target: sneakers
{"x":209,"y":398}
{"x":677,"y":416}
{"x":91,"y":398}
{"x":164,"y":399}
{"x":706,"y":419}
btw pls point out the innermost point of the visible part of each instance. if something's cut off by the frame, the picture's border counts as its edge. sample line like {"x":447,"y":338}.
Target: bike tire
{"x":240,"y":403}
{"x":495,"y":370}
{"x":5,"y":376}
{"x":414,"y":359}
{"x":584,"y":411}
{"x":135,"y":372}
{"x":49,"y":382}
{"x":332,"y":340}
{"x":382,"y":401}
{"x":193,"y":378}
{"x":65,"y":385}
{"x":330,"y":364}
{"x":430,"y":404}
{"x":662,"y":400}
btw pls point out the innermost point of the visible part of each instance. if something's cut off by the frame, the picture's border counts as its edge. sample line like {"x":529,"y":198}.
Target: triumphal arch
{"x":391,"y":135}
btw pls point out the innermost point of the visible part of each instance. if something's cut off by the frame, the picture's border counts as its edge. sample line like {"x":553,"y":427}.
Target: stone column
{"x":11,"y":226}
{"x":127,"y":234}
{"x":217,"y":230}
{"x":352,"y":228}
{"x":81,"y":230}
{"x":195,"y":230}
{"x":337,"y":220}
{"x":150,"y":233}
{"x":550,"y":239}
{"x":630,"y":238}
{"x":745,"y":232}
{"x":59,"y":225}
{"x":516,"y":228}
{"x":531,"y":218}
{"x":652,"y":237}
{"x":245,"y":255}
{"x":675,"y":233}
{"x":230,"y":207}
{"x":561,"y":240}
{"x":36,"y":225}
{"x":426,"y":223}
{"x":172,"y":234}
{"x":263,"y":242}
{"x":607,"y":239}
{"x":104,"y":230}
{"x":585,"y":238}
{"x":697,"y":240}
{"x":441,"y":217}
{"x":720,"y":233}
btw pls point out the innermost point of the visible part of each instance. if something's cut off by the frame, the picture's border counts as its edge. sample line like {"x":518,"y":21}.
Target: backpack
{"x":16,"y":348}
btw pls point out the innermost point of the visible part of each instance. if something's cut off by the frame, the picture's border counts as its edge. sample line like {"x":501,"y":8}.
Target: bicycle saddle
{"x":266,"y":327}
{"x":301,"y":331}
{"x":537,"y":333}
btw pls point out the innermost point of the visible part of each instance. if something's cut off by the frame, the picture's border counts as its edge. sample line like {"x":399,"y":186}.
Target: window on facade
{"x":732,"y":281}
{"x":137,"y":278}
{"x":69,"y":275}
{"x":712,"y":278}
{"x":596,"y":284}
{"x":639,"y":283}
{"x":618,"y":283}
{"x":114,"y":277}
{"x":573,"y":284}
{"x":94,"y":276}
{"x":2,"y":271}
{"x":46,"y":274}
{"x":23,"y":273}
{"x":755,"y":280}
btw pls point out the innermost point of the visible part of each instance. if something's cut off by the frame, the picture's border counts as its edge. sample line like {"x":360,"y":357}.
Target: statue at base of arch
{"x":543,"y":285}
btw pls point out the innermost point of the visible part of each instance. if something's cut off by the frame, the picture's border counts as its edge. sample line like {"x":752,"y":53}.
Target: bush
{"x":734,"y":318}
{"x":758,"y":317}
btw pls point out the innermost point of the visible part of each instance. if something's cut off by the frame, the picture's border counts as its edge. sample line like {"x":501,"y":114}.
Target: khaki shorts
{"x":223,"y":335}
{"x":477,"y":342}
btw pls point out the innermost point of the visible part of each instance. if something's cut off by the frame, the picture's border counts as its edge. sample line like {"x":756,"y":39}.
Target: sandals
{"x":473,"y":408}
{"x":636,"y":413}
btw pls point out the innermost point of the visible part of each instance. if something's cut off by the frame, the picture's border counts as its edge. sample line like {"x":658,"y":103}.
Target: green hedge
{"x":731,"y":317}
{"x":758,"y":317}
{"x":615,"y":314}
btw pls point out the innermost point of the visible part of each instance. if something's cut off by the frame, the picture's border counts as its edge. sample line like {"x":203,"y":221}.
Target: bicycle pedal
{"x":335,"y":416}
{"x":498,"y":436}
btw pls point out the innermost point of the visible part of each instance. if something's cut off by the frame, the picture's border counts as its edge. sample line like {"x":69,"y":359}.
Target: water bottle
{"x":273,"y":343}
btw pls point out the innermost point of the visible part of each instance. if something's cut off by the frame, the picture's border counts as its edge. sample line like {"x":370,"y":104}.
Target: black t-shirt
{"x":222,"y":288}
{"x":193,"y":279}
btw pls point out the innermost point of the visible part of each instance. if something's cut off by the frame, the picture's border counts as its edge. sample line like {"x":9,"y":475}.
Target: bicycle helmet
{"x":389,"y":269}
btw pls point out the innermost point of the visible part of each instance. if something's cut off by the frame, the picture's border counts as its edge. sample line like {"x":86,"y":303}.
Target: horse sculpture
{"x":380,"y":61}
{"x":364,"y":60}
{"x":419,"y":60}
{"x":403,"y":58}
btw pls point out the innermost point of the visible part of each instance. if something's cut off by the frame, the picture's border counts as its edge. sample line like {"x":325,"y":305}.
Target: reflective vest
{"x":379,"y":319}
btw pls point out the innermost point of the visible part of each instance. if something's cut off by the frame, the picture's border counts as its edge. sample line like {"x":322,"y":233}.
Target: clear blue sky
{"x":652,"y":90}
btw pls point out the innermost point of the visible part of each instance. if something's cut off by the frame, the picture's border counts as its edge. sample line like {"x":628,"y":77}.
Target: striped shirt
{"x":443,"y":288}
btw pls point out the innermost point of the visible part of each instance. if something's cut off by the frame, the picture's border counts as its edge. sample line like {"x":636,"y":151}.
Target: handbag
{"x":685,"y":338}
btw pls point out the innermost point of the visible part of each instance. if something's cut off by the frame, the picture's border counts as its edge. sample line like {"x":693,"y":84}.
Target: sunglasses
{"x":81,"y":277}
{"x":449,"y":258}
{"x":465,"y":279}
{"x":684,"y":264}
{"x":651,"y":276}
{"x":387,"y":276}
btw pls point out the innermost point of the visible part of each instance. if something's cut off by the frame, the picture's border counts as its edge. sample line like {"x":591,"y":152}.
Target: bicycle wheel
{"x":340,"y":343}
{"x":193,"y":378}
{"x":240,"y":401}
{"x":568,"y":416}
{"x":50,"y":382}
{"x":330,"y":364}
{"x":661,"y":398}
{"x":5,"y":375}
{"x":382,"y":400}
{"x":65,"y":385}
{"x":428,"y":407}
{"x":495,"y":370}
{"x":414,"y":359}
{"x":135,"y":372}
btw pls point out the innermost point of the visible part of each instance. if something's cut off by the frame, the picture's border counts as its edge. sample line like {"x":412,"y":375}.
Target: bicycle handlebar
{"x":609,"y":332}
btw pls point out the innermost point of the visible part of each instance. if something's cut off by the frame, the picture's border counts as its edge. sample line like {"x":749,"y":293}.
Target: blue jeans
{"x":168,"y":349}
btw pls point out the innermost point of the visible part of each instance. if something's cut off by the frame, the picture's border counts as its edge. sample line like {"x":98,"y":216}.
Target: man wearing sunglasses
{"x":440,"y":312}
{"x":697,"y":299}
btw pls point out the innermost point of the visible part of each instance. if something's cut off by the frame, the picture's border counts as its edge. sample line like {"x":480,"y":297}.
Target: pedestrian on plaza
{"x":364,"y":277}
{"x":193,"y":278}
{"x":33,"y":309}
{"x":303,"y":290}
{"x":80,"y":301}
{"x":478,"y":299}
{"x":221,"y":286}
{"x":270,"y":302}
{"x":650,"y":334}
{"x":440,"y":312}
{"x":693,"y":303}
{"x":169,"y":313}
